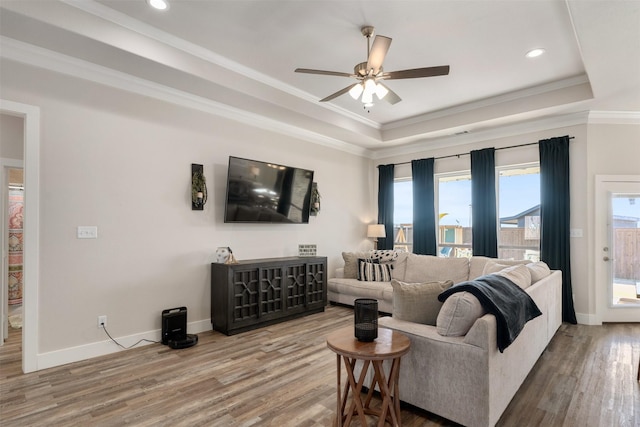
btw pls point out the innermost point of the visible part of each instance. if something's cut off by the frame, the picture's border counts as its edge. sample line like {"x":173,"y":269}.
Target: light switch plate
{"x":87,"y":232}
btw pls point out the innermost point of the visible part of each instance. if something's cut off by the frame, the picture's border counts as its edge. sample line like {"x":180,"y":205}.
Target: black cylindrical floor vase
{"x":366,"y":319}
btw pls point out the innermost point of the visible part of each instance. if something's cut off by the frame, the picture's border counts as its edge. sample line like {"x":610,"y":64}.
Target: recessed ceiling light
{"x":534,"y":53}
{"x":159,"y":4}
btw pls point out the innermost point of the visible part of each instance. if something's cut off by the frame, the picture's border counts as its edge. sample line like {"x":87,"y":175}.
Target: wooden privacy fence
{"x":626,"y":256}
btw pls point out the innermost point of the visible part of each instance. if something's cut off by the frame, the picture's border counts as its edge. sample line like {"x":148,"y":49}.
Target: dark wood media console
{"x":260,"y":292}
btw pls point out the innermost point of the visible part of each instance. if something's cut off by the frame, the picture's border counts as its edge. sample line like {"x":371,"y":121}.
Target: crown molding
{"x":500,"y":131}
{"x":614,"y":117}
{"x":43,"y":58}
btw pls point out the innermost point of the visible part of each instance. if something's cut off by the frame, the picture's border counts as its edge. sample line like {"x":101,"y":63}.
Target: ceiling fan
{"x":370,"y":73}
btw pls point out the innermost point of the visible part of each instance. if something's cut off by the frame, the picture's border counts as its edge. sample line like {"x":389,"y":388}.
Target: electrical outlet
{"x":102,"y":321}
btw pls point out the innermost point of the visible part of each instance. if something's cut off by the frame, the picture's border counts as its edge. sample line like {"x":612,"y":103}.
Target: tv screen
{"x":267,"y":192}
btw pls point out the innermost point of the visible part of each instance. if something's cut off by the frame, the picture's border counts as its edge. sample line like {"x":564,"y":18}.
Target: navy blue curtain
{"x":484,"y":228}
{"x":554,"y":215}
{"x":385,"y":204}
{"x":424,"y":216}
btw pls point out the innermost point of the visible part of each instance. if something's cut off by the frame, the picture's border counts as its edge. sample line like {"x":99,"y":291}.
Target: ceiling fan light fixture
{"x":356,"y":91}
{"x":381,"y":91}
{"x":367,"y":98}
{"x":369,"y":89}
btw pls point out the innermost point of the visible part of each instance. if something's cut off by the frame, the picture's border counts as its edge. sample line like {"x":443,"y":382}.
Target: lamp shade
{"x":376,"y":230}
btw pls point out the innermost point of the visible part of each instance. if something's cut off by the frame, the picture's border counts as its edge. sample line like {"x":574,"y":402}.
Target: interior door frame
{"x":31,"y":257}
{"x":601,"y":211}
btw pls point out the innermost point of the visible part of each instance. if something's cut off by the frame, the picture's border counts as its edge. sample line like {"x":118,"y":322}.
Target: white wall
{"x":11,"y":137}
{"x":613,"y":149}
{"x":122,"y":162}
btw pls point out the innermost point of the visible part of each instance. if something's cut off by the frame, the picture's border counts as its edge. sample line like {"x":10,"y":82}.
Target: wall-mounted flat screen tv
{"x":267,"y":192}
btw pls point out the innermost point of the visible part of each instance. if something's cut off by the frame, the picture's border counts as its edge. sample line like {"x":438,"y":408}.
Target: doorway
{"x":31,"y":246}
{"x":13,"y":226}
{"x":617,"y":248}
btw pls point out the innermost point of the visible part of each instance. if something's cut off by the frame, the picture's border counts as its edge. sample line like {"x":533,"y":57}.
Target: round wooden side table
{"x":390,"y":345}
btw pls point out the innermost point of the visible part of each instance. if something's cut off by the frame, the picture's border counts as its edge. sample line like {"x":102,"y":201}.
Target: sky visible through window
{"x":455,"y":200}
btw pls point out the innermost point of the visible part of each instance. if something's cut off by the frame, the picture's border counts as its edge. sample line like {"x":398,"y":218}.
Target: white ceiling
{"x":237,"y":58}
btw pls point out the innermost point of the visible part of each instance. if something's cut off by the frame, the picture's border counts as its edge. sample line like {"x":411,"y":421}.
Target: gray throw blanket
{"x":511,"y":305}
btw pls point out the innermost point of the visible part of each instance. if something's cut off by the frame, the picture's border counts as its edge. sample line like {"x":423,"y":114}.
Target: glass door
{"x":618,"y":249}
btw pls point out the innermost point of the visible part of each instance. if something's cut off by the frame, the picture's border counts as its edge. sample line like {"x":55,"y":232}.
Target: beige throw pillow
{"x":458,"y":314}
{"x":518,"y":274}
{"x":539,"y":270}
{"x":351,"y":263}
{"x":418,"y":302}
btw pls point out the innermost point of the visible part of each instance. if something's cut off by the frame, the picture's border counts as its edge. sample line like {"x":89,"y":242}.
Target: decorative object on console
{"x":222,"y":254}
{"x":232,"y":259}
{"x":314,"y":208}
{"x":375,"y":231}
{"x":307,"y":250}
{"x":198,"y":187}
{"x":366,"y":319}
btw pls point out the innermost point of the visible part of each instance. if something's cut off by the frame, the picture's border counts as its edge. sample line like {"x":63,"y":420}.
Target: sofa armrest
{"x":339,"y":273}
{"x":416,"y":329}
{"x":483,"y":332}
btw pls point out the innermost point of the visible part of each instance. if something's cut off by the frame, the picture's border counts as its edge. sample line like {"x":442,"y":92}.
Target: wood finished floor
{"x":284,"y":375}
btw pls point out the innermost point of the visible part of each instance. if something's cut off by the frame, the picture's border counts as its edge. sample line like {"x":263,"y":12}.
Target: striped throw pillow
{"x":373,"y":272}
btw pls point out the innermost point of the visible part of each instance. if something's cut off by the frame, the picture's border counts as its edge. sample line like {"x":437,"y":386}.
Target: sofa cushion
{"x":428,"y":268}
{"x":418,"y":302}
{"x":384,"y":256}
{"x":360,"y":289}
{"x":477,"y":264}
{"x":458,"y":313}
{"x":400,"y":266}
{"x":539,"y":270}
{"x":351,"y":263}
{"x":370,"y":271}
{"x":518,"y":274}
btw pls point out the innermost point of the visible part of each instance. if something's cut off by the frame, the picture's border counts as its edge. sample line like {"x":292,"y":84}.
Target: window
{"x":454,"y":213}
{"x":519,"y":212}
{"x":403,"y":215}
{"x":518,"y":199}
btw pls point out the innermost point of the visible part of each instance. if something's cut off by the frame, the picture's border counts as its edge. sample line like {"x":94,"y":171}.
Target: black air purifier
{"x":174,"y":328}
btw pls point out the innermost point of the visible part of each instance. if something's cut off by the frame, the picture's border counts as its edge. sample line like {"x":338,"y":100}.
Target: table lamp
{"x":375,"y":231}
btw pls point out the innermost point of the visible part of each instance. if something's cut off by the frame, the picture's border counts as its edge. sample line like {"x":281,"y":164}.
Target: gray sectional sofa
{"x":454,"y":368}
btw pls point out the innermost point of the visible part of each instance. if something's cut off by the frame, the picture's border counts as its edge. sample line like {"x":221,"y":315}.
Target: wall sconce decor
{"x":198,"y":187}
{"x":375,"y":231}
{"x":314,"y":207}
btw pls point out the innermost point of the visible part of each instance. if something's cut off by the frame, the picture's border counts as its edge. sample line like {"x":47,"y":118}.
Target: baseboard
{"x":101,"y":348}
{"x":587,"y":319}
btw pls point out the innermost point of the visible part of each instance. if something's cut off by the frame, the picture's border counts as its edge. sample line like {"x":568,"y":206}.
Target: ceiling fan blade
{"x":417,"y":72}
{"x":338,"y":93}
{"x":377,"y":53}
{"x":391,"y":97}
{"x":323,"y":72}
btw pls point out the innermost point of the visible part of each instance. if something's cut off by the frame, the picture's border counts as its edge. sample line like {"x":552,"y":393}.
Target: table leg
{"x":338,"y":422}
{"x":387,"y":404}
{"x":394,"y":379}
{"x":356,"y":388}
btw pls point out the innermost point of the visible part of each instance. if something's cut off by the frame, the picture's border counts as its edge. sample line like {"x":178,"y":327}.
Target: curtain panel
{"x":424,"y":217}
{"x":554,"y":215}
{"x":484,"y":229}
{"x":385,"y":204}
